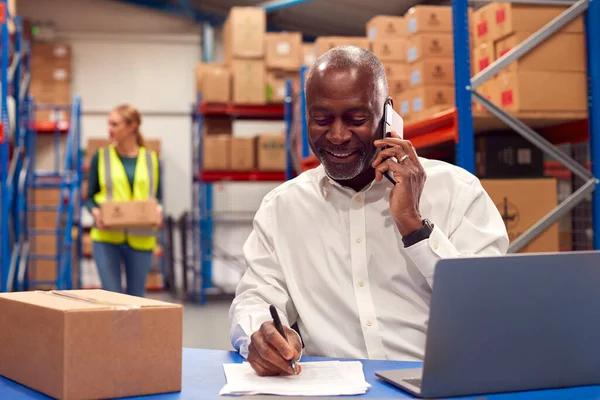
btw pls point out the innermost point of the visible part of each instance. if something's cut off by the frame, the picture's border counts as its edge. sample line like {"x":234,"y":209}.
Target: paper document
{"x":324,"y":378}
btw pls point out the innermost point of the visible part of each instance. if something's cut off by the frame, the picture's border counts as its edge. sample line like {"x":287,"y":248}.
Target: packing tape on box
{"x":90,"y":300}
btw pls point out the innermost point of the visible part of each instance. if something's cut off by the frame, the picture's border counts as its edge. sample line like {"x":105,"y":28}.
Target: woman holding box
{"x":123,"y":171}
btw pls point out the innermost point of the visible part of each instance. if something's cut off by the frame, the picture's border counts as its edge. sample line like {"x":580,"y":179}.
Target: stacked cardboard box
{"x":388,"y":41}
{"x":550,"y":78}
{"x":325,"y":43}
{"x":51,"y":78}
{"x":430,"y":57}
{"x":284,"y":56}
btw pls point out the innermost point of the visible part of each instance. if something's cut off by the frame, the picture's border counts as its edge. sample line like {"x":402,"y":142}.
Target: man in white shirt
{"x":345,"y":254}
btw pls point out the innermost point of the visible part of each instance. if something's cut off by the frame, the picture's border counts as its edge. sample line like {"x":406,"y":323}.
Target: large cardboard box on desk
{"x":90,"y":344}
{"x":522,"y":203}
{"x":130,"y":214}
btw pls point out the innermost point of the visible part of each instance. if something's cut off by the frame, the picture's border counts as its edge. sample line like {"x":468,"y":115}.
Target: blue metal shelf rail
{"x":14,"y":130}
{"x":68,"y":224}
{"x":466,"y":92}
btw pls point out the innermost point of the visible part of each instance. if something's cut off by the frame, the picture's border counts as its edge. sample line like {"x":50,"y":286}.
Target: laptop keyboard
{"x":414,"y":381}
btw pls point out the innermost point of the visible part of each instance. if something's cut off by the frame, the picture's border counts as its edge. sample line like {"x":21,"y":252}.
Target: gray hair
{"x":352,"y":57}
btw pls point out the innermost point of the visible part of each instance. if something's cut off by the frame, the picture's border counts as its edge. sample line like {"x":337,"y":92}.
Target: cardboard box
{"x":276,"y":85}
{"x":216,"y":152}
{"x":218,"y":126}
{"x":216,"y":84}
{"x":249,"y":82}
{"x":397,"y":87}
{"x":426,"y":97}
{"x":523,"y":202}
{"x":308,"y":52}
{"x":284,"y":50}
{"x":507,"y":156}
{"x":487,"y":90}
{"x":244,"y":33}
{"x":325,"y":43}
{"x":426,"y":46}
{"x":243,"y":154}
{"x":429,"y":19}
{"x":130,"y":214}
{"x":271,"y":152}
{"x":93,"y":343}
{"x":51,"y":51}
{"x":394,"y":70}
{"x":403,"y":104}
{"x":483,"y":19}
{"x":386,"y":27}
{"x":510,"y":18}
{"x":561,"y":52}
{"x":86,"y":245}
{"x":542,"y":91}
{"x":393,"y":50}
{"x":483,"y":56}
{"x":432,"y":72}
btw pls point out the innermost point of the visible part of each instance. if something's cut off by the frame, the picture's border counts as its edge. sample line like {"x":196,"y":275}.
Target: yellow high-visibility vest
{"x":114,"y":186}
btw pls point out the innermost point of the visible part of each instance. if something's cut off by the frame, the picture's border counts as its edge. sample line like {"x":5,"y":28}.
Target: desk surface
{"x":203,"y":378}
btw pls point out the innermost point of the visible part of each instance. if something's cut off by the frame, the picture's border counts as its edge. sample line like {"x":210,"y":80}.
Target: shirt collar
{"x":326,"y":184}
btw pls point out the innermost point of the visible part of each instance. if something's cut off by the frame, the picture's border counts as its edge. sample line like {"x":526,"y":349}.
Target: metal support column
{"x":289,"y":125}
{"x":465,"y":148}
{"x":305,"y":146}
{"x":4,"y":143}
{"x":593,"y":68}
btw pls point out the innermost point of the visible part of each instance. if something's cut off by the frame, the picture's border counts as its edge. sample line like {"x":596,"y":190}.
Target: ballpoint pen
{"x":279,"y":327}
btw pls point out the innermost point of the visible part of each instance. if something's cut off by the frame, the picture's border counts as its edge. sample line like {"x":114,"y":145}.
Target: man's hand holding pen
{"x":270,"y":353}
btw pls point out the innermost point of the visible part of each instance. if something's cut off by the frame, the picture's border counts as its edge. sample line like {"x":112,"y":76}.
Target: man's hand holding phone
{"x":269,"y":353}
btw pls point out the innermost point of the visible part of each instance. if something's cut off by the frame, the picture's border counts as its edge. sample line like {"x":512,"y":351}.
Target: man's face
{"x":344,"y":117}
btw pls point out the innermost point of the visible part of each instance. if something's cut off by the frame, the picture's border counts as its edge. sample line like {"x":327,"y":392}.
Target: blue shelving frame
{"x":15,"y":69}
{"x":466,"y":92}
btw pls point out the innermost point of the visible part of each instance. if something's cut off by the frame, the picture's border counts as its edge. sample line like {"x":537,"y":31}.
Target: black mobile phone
{"x":392,"y":122}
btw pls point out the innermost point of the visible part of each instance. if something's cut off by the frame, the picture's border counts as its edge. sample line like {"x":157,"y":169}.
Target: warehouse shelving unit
{"x":455,"y":128}
{"x":68,"y":223}
{"x":202,"y":224}
{"x":15,"y":147}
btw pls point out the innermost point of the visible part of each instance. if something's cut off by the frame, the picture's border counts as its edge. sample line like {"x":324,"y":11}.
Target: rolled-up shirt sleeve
{"x":478,"y":231}
{"x":261,"y":285}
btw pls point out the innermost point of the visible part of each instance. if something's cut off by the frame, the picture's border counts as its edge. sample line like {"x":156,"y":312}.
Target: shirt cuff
{"x":427,"y":252}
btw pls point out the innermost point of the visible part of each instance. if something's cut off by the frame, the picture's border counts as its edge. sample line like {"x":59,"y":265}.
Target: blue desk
{"x":203,"y":378}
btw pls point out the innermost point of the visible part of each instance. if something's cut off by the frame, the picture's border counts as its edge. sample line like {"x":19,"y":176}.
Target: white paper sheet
{"x":324,"y":378}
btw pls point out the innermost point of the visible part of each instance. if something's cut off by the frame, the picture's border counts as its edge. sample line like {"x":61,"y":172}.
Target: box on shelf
{"x":426,"y":46}
{"x":389,"y":49}
{"x":523,"y":202}
{"x":284,"y":50}
{"x":276,"y":81}
{"x":325,"y":43}
{"x":243,"y":154}
{"x":435,"y":19}
{"x":308,"y":52}
{"x":560,"y":52}
{"x":217,"y":126}
{"x":397,"y":87}
{"x":510,"y":17}
{"x":402,"y":104}
{"x":216,"y":152}
{"x":215,"y":83}
{"x":386,"y":27}
{"x":130,"y":214}
{"x":542,"y":91}
{"x":487,"y":90}
{"x":44,"y":245}
{"x":483,"y":18}
{"x":483,"y":56}
{"x":428,"y":97}
{"x":249,"y":82}
{"x":432,"y":72}
{"x":244,"y":33}
{"x":507,"y":156}
{"x":271,"y":154}
{"x":395,"y":70}
{"x":126,"y":346}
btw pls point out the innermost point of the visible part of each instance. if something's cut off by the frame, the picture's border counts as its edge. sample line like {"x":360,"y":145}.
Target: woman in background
{"x":125,"y":170}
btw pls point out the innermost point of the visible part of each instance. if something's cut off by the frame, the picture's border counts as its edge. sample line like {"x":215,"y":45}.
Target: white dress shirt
{"x":332,"y":260}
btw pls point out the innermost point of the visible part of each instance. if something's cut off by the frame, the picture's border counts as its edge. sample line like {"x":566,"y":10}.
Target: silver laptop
{"x":510,"y":323}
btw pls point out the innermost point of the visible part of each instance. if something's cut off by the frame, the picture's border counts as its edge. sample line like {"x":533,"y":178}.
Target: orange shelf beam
{"x":242,"y":176}
{"x":50,"y":127}
{"x":244,"y":111}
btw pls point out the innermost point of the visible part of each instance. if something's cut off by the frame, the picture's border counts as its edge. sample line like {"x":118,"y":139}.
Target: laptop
{"x":510,"y":323}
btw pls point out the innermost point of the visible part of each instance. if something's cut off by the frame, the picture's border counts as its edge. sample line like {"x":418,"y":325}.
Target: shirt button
{"x":358,"y":240}
{"x":369,"y":323}
{"x":435,"y":244}
{"x":358,"y":198}
{"x":361,"y":283}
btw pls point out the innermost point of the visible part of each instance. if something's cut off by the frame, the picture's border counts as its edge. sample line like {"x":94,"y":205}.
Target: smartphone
{"x":392,"y":122}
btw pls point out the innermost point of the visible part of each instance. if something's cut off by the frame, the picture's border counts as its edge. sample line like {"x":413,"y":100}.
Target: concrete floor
{"x":205,"y":326}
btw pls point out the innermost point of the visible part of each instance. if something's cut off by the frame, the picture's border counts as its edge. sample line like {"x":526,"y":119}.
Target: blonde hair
{"x":131,"y":115}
